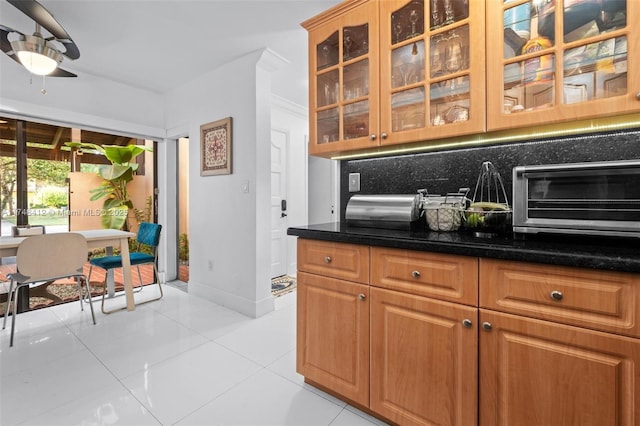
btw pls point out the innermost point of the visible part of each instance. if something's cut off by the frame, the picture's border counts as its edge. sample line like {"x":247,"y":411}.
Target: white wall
{"x":229,"y":253}
{"x":94,"y":103}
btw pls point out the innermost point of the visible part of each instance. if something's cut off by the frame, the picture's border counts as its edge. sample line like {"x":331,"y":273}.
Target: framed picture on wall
{"x":215,"y":147}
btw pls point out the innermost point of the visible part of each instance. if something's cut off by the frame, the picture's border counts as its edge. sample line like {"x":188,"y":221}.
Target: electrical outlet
{"x":354,"y":182}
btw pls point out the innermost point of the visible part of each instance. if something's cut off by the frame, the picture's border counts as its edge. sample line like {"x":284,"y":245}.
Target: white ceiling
{"x":159,"y":44}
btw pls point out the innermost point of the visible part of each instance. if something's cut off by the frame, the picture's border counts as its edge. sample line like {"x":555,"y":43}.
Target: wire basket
{"x":489,"y":214}
{"x":444,"y":217}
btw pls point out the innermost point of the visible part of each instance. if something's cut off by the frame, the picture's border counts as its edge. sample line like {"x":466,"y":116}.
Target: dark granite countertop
{"x":598,"y":253}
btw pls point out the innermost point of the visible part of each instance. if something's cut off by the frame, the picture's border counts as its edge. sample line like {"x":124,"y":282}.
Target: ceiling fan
{"x":37,"y":54}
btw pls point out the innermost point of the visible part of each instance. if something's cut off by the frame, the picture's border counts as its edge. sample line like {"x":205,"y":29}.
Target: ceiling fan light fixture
{"x":36,"y":55}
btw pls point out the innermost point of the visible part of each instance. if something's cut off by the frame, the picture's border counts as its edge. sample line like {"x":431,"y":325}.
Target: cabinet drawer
{"x":337,"y":260}
{"x":601,"y":300}
{"x":440,"y":276}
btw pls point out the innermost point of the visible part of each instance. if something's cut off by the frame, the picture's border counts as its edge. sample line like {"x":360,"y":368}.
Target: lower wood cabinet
{"x":540,"y":346}
{"x":333,"y":335}
{"x":424,"y":368}
{"x":535,"y":372}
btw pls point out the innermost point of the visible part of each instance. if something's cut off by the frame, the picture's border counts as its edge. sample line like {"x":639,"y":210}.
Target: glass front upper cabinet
{"x":568,"y":56}
{"x":434,"y":83}
{"x":343,"y":62}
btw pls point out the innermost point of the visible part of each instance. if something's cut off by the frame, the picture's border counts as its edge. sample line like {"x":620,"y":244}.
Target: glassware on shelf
{"x":435,"y":15}
{"x":453,"y":60}
{"x":397,"y":30}
{"x":413,"y":18}
{"x":448,"y":12}
{"x":347,"y":46}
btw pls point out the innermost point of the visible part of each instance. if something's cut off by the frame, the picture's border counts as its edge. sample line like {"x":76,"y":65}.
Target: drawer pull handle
{"x":415,"y":274}
{"x":467,"y":323}
{"x":487,"y":326}
{"x":362,"y":296}
{"x":556,"y":295}
{"x":327,"y":259}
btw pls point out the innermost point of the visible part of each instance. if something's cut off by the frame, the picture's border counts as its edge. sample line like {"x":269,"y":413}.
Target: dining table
{"x":96,"y":238}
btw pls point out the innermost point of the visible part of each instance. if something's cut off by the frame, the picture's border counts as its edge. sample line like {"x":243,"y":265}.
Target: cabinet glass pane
{"x":356,"y":120}
{"x":517,"y":29}
{"x":458,"y":87}
{"x":529,"y":84}
{"x":596,"y":70}
{"x":355,"y":41}
{"x":446,"y":12}
{"x":408,"y":109}
{"x":449,"y":52}
{"x":328,"y":88}
{"x":407,"y":22}
{"x":328,"y":126}
{"x":407,"y":64}
{"x":614,"y":14}
{"x":450,"y":101}
{"x":356,"y":80}
{"x":327,"y":52}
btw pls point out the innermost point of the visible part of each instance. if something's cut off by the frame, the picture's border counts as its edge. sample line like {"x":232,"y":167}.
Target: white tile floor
{"x":178,"y":361}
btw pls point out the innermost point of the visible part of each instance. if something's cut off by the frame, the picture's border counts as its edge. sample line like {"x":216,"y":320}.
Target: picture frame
{"x":216,"y":147}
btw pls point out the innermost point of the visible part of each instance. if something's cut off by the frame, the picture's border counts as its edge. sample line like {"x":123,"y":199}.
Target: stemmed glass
{"x":325,"y":55}
{"x":348,"y":42}
{"x":453,"y":53}
{"x":435,"y":15}
{"x":397,"y":29}
{"x":413,"y":18}
{"x":448,"y":12}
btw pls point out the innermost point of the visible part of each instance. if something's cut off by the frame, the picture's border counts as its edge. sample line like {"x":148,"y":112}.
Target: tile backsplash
{"x":447,"y":171}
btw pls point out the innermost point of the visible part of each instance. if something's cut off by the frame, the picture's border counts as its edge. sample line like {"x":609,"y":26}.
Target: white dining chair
{"x":43,"y":258}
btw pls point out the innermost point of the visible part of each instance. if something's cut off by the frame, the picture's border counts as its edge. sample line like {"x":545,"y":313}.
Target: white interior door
{"x":278,"y":203}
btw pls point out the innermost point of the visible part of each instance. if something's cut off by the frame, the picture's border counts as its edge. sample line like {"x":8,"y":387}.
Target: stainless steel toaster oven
{"x":596,"y":198}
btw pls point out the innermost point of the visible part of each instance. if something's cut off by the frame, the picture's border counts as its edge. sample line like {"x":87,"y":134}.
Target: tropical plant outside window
{"x":116,"y":176}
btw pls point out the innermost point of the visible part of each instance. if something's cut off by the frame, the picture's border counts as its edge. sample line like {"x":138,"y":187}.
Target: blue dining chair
{"x":148,"y":235}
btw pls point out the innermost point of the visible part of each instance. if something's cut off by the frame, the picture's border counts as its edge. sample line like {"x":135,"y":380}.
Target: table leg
{"x":126,"y":273}
{"x":111,"y":287}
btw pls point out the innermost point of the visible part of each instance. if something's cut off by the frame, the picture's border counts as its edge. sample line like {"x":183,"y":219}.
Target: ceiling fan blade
{"x":42,"y":16}
{"x":59,"y":72}
{"x":5,"y":44}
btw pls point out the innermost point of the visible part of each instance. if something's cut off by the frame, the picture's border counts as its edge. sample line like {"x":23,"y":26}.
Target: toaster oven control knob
{"x":556,"y":295}
{"x":373,"y":137}
{"x":415,"y":274}
{"x":327,"y":259}
{"x":467,"y":323}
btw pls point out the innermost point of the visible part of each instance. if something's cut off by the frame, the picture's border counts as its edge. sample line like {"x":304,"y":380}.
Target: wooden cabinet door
{"x":343,"y":78}
{"x":423,"y":360}
{"x":333,"y":335}
{"x":535,"y":372}
{"x":561,"y":61}
{"x":432,"y":69}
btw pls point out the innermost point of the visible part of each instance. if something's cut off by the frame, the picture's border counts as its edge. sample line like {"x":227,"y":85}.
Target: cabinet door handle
{"x":487,"y":326}
{"x":383,"y":135}
{"x":638,"y":96}
{"x":373,"y":137}
{"x":556,"y":295}
{"x":467,"y":323}
{"x":415,"y":274}
{"x":327,"y":259}
{"x":362,"y":296}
